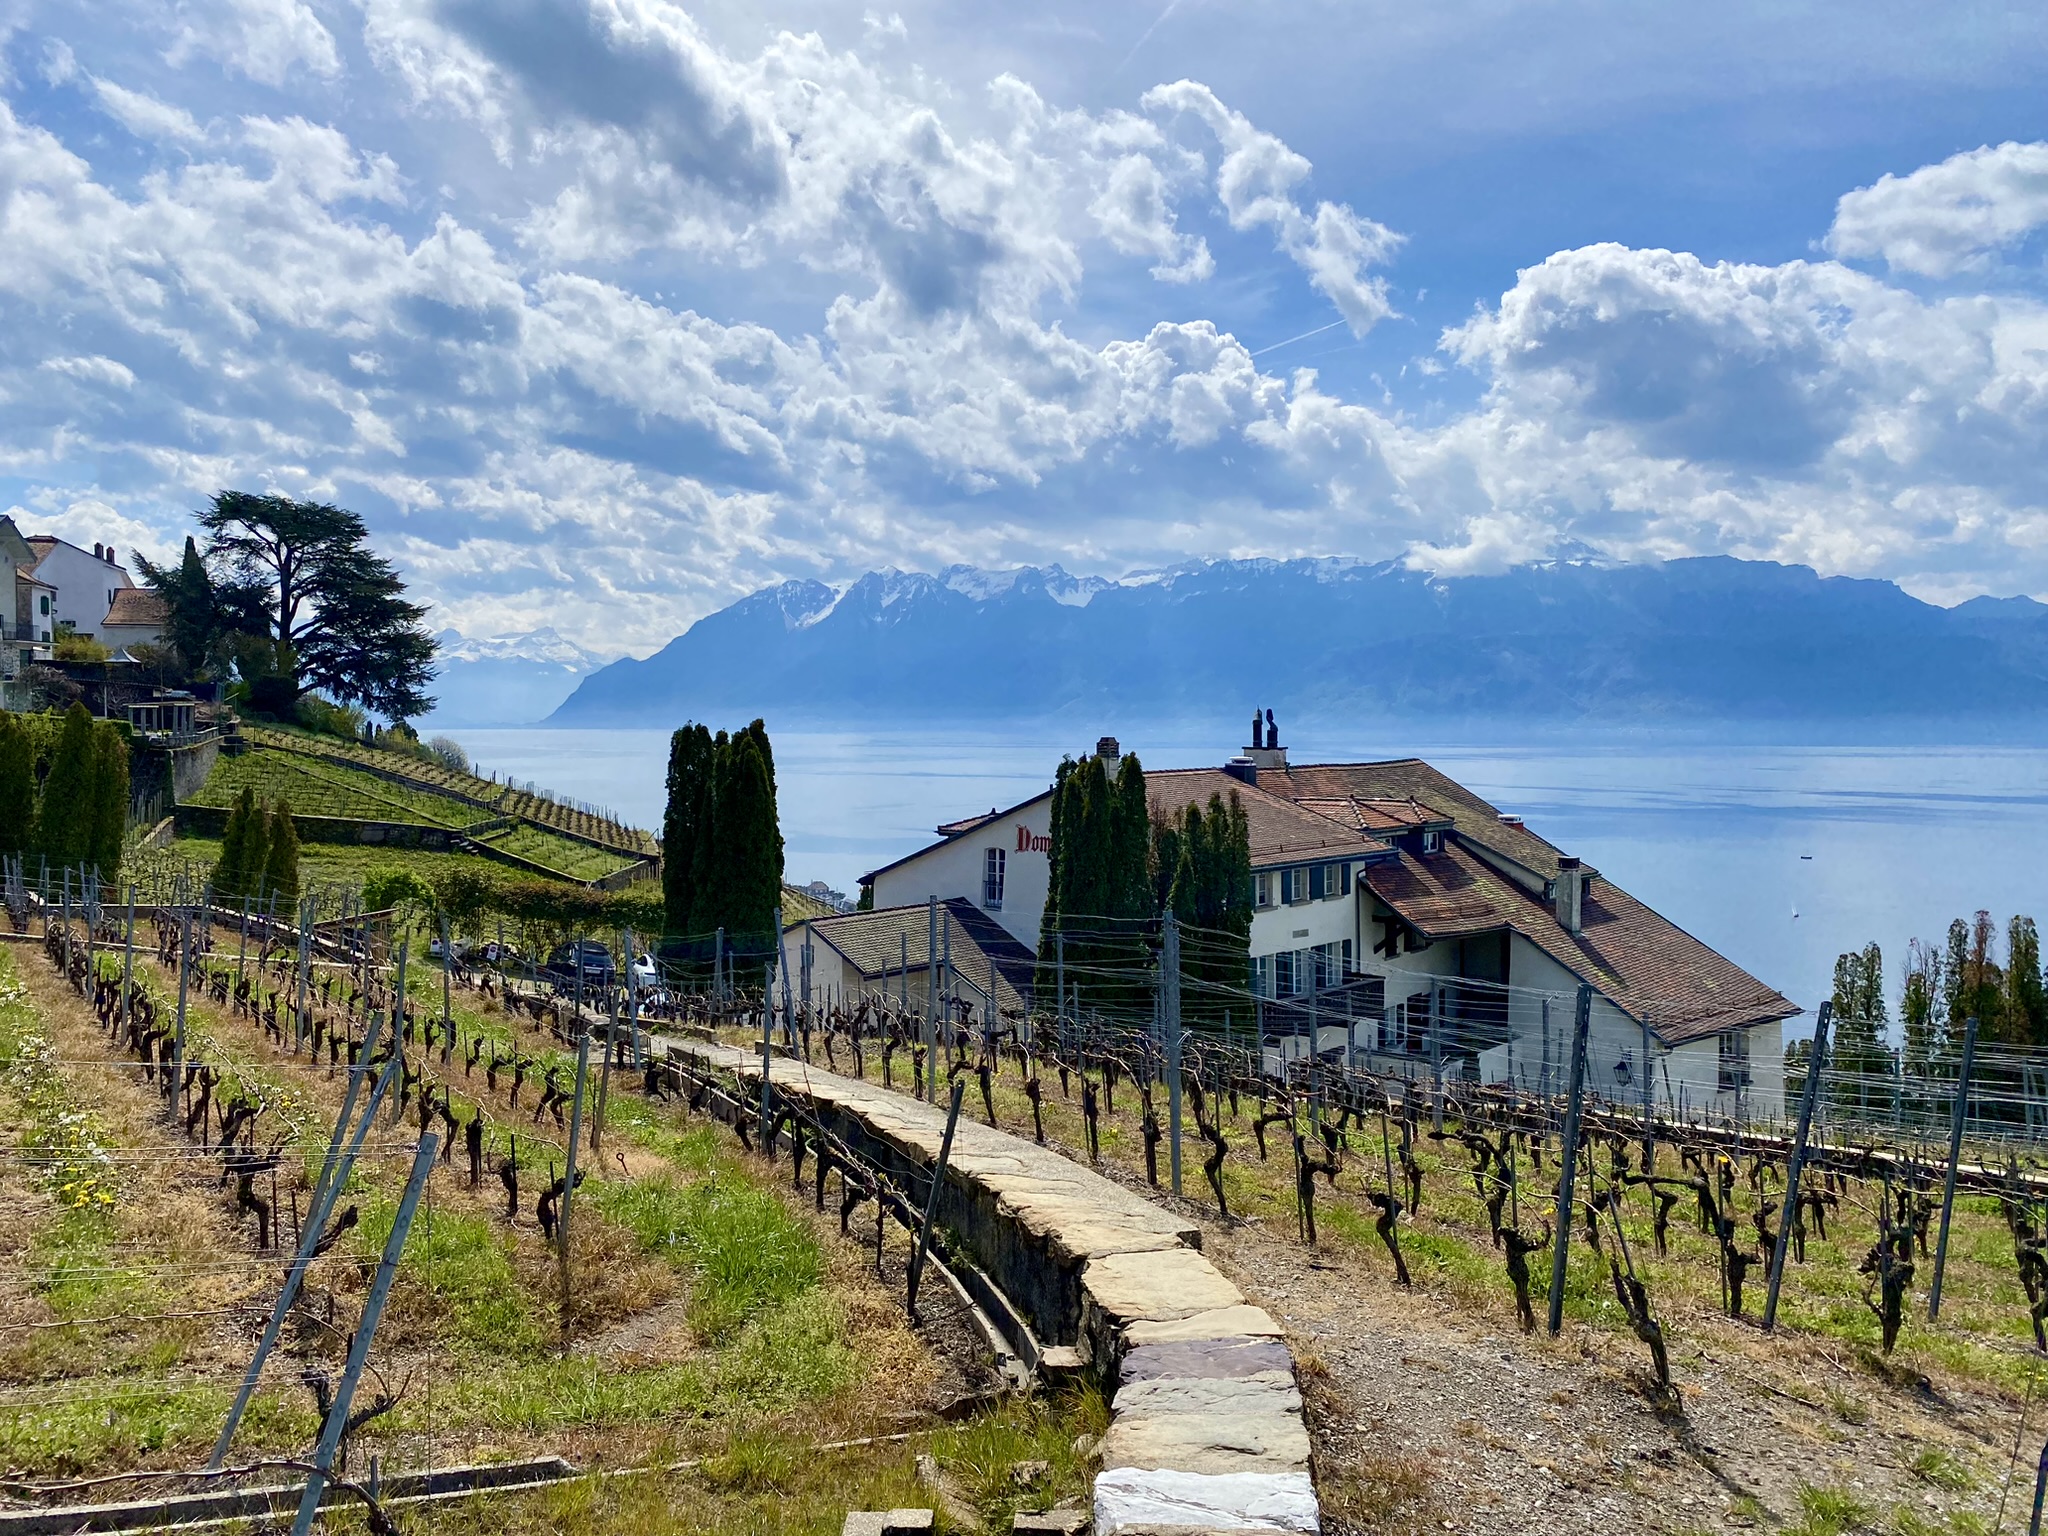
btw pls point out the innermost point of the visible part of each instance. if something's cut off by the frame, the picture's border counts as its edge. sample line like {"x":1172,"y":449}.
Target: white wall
{"x":954,"y":868}
{"x":84,"y":586}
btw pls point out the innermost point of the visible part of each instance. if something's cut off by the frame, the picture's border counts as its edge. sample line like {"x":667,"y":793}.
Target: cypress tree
{"x":689,"y":807}
{"x":281,"y":858}
{"x":110,"y":800}
{"x":757,"y":731}
{"x":234,"y":845}
{"x":707,"y":896}
{"x":2026,"y":1001}
{"x":745,"y":886}
{"x":1045,"y":981}
{"x":17,"y":785}
{"x":65,"y":819}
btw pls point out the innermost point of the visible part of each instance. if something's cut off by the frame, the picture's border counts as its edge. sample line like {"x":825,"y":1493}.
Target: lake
{"x":1780,"y":855}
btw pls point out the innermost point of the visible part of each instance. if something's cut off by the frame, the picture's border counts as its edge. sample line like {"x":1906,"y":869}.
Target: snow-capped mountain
{"x":1705,"y":639}
{"x":505,"y":679}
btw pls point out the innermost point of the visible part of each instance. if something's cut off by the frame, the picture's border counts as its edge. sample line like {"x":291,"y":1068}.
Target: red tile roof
{"x":1645,"y":964}
{"x":1281,"y":831}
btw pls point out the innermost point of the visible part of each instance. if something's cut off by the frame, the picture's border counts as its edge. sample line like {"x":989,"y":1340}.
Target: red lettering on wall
{"x":1031,"y":842}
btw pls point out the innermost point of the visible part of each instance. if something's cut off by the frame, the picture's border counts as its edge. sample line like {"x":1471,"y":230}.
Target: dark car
{"x":598,"y":969}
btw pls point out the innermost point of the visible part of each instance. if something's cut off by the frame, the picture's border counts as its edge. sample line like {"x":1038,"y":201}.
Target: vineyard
{"x":438,"y":779}
{"x":315,"y":787}
{"x":579,"y":861}
{"x":706,"y":1341}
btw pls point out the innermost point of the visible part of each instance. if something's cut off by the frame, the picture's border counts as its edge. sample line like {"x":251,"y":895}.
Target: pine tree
{"x":1922,"y":1012}
{"x":280,"y":881}
{"x":64,"y":822}
{"x":110,"y":801}
{"x":17,"y":785}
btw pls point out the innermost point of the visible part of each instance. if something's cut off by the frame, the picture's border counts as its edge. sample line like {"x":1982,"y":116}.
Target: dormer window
{"x":1432,"y":840}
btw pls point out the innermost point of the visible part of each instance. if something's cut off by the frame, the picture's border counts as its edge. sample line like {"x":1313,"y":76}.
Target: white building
{"x":85,"y":583}
{"x":1397,"y":914}
{"x":28,"y":632}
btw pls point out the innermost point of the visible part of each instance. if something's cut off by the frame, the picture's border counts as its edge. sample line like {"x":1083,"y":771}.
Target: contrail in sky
{"x":1304,"y":336}
{"x":1171,"y":7}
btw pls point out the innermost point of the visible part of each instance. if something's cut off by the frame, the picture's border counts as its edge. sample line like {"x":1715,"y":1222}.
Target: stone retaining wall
{"x":1206,"y":1431}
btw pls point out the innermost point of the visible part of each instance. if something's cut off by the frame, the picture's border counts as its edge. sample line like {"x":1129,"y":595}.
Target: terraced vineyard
{"x":323,"y":788}
{"x":564,"y":855}
{"x":438,"y":779}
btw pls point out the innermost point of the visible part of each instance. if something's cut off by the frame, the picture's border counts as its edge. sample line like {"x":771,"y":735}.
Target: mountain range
{"x":1704,"y":639}
{"x":504,"y":679}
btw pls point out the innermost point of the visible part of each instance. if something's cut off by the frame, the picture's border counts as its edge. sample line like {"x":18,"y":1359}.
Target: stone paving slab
{"x":1206,"y":1430}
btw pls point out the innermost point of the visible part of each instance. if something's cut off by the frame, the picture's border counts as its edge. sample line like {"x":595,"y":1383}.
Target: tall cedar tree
{"x":707,"y":909}
{"x":64,"y":824}
{"x":281,"y":859}
{"x":334,"y":611}
{"x":689,"y":807}
{"x":1047,"y":979}
{"x":757,"y":731}
{"x":17,"y":785}
{"x":110,"y":800}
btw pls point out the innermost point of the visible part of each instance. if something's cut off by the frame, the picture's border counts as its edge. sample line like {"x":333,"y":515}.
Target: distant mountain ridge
{"x":1711,"y":638}
{"x":504,"y":679}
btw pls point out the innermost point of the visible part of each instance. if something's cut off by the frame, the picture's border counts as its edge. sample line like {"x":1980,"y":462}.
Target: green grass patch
{"x":93,"y":1426}
{"x":577,"y":1393}
{"x":564,"y":855}
{"x":1830,"y":1512}
{"x":465,"y":1260}
{"x":318,"y":787}
{"x":741,"y":1244}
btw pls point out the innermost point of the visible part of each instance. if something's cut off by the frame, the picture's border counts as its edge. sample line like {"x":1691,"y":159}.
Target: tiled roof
{"x":966,"y":823}
{"x":1646,"y":965}
{"x":1376,"y":816}
{"x":1412,"y":779}
{"x":137,"y":605}
{"x":1281,"y":831}
{"x":875,"y":944}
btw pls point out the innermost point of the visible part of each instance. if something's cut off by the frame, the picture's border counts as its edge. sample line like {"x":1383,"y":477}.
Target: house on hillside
{"x":86,"y":586}
{"x":26,"y":636}
{"x":1399,"y":917}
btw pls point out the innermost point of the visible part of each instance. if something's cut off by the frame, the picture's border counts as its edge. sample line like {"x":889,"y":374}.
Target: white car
{"x":645,"y":972}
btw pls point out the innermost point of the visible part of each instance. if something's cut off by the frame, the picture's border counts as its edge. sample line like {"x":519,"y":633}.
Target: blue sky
{"x":604,"y":312}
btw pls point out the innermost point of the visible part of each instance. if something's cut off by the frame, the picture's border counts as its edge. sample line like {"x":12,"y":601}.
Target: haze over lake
{"x":1712,"y":833}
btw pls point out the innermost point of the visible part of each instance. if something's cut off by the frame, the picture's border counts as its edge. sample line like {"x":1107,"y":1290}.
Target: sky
{"x":603,"y":313}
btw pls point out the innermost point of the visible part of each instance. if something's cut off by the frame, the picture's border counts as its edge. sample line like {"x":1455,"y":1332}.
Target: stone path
{"x":1207,"y":1432}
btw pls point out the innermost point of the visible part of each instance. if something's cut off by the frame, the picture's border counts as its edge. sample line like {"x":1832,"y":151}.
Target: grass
{"x":1826,"y":1511}
{"x":316,"y":787}
{"x":564,"y":855}
{"x":742,"y":1245}
{"x":341,"y":863}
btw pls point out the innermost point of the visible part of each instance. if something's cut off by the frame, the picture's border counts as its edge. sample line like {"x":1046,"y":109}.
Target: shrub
{"x":387,"y":886}
{"x":448,"y":752}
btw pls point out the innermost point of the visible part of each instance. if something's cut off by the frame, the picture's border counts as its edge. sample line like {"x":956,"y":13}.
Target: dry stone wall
{"x":1206,"y":1431}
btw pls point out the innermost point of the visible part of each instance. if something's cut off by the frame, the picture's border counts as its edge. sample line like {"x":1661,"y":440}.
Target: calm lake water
{"x":1780,"y":856}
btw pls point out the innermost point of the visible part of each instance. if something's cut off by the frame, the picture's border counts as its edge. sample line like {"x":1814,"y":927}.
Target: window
{"x":46,"y":603}
{"x":1432,"y":840}
{"x":1294,"y":885}
{"x":1286,"y":973}
{"x":992,"y":880}
{"x":1262,"y":888}
{"x":1734,"y":1060}
{"x":1262,"y":975}
{"x":1343,"y":881}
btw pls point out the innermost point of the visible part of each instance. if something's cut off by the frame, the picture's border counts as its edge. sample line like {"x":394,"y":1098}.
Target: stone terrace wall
{"x":1206,"y":1431}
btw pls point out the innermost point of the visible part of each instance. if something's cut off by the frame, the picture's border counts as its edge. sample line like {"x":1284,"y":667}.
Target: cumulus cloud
{"x":603,"y":322}
{"x":265,"y":40}
{"x":1948,"y":218}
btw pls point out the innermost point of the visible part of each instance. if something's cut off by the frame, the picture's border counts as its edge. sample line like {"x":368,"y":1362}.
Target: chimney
{"x":1265,"y":750}
{"x":1571,"y":883}
{"x":1242,"y":767}
{"x":110,"y":556}
{"x":1107,"y":749}
{"x":98,"y":553}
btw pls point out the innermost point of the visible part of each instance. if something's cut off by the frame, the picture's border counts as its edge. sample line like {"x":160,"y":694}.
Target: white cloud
{"x":263,"y":39}
{"x":618,"y":320}
{"x":146,"y":117}
{"x":1945,"y":219}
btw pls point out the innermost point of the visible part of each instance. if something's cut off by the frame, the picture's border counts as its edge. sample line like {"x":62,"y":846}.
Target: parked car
{"x":459,"y":947}
{"x":594,"y":961}
{"x":645,"y":972}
